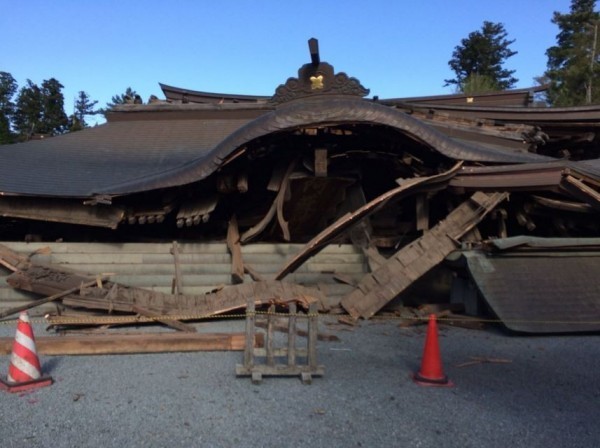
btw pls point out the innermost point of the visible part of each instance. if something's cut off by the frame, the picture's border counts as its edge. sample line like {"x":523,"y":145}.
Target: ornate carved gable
{"x":317,"y":78}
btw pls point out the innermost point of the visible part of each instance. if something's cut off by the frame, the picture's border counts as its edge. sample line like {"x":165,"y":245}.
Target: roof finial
{"x":313,"y":47}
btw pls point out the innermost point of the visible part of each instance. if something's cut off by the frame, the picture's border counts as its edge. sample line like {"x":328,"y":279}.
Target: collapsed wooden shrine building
{"x":195,"y":202}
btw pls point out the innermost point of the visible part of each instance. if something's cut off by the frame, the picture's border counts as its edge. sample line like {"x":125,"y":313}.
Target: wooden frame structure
{"x":280,"y":361}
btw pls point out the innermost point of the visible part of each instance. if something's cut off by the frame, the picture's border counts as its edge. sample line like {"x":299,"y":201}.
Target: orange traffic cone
{"x":24,"y":371}
{"x":431,"y":373}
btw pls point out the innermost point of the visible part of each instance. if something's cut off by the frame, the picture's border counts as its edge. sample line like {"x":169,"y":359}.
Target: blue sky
{"x":395,"y":48}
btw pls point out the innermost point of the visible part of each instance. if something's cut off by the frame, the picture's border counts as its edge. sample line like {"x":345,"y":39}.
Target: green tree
{"x":479,"y":60}
{"x":84,"y":106}
{"x":28,"y":111}
{"x":572,"y":67}
{"x":54,"y":119}
{"x":8,"y":88}
{"x":40,"y":110}
{"x":129,"y":97}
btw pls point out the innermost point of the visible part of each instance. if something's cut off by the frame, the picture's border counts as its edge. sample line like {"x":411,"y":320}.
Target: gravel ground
{"x":547,"y":396}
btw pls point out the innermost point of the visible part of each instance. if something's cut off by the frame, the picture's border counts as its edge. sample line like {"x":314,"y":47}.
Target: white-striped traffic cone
{"x":24,"y":371}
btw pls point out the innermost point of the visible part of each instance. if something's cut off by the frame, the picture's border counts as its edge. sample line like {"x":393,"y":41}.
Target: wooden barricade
{"x":288,"y":360}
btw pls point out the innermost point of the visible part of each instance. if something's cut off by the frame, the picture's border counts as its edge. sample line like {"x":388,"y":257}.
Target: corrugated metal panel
{"x":544,"y":294}
{"x":203,"y":266}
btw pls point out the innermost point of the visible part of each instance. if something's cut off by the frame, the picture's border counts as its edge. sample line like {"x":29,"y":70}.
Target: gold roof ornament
{"x":316,"y":82}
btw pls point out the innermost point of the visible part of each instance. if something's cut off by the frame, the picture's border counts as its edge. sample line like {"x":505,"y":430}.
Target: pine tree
{"x":479,"y":60}
{"x":129,"y":97}
{"x":28,"y":112}
{"x":573,"y":62}
{"x":8,"y":88}
{"x":83,"y":106}
{"x":54,"y":119}
{"x":40,"y":110}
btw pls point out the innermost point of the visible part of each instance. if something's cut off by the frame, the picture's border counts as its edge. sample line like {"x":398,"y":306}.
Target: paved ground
{"x":547,"y":396}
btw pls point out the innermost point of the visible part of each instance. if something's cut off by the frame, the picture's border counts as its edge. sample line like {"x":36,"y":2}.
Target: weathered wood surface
{"x":47,"y":280}
{"x":61,"y":211}
{"x":227,"y":299}
{"x":203,"y":267}
{"x":39,"y":302}
{"x":119,"y":343}
{"x":234,"y":247}
{"x":580,"y":190}
{"x":177,"y":280}
{"x":408,"y":186}
{"x":280,"y":360}
{"x":13,"y":260}
{"x":376,"y":289}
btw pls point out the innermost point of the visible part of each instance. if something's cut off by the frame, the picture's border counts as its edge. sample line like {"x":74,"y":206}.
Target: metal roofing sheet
{"x":541,"y":294}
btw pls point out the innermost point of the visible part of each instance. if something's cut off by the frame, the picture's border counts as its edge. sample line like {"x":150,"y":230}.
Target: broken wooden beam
{"x":48,"y":280}
{"x":194,"y":306}
{"x":411,"y":262}
{"x":347,"y":221}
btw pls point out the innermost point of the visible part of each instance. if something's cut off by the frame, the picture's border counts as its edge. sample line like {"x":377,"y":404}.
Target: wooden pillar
{"x":422,"y":212}
{"x":250,"y":318}
{"x":321,"y":162}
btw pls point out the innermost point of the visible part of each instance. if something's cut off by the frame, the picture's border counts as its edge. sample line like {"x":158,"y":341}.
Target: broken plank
{"x":115,"y":343}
